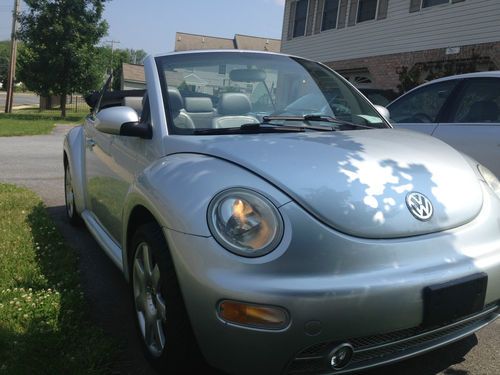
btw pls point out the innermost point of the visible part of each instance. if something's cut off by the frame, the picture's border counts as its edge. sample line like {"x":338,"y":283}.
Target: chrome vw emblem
{"x":419,"y":205}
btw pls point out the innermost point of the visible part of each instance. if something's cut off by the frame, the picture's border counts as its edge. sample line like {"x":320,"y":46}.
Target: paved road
{"x":20,"y":98}
{"x":36,"y":162}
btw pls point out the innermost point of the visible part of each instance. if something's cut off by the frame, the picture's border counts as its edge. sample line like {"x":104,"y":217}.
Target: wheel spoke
{"x":155,"y":278}
{"x":161,"y":307}
{"x":159,"y":335}
{"x":139,"y":274}
{"x":150,"y":328}
{"x":146,"y":258}
{"x":142,"y":323}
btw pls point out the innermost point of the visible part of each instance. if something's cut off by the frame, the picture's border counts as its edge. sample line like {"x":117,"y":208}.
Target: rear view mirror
{"x":247,"y":75}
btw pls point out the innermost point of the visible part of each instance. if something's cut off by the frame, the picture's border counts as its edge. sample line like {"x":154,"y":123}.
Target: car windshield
{"x":216,"y":90}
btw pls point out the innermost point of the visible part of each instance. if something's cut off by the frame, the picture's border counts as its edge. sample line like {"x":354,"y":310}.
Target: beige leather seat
{"x":200,"y":110}
{"x":233,"y":111}
{"x":176,"y":104}
{"x":134,"y":102}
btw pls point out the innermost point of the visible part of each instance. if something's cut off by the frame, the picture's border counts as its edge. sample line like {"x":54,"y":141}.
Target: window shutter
{"x":310,"y":16}
{"x":353,"y":13}
{"x":342,"y":14}
{"x":291,"y":19}
{"x":415,"y":5}
{"x":319,"y":16}
{"x":382,"y":9}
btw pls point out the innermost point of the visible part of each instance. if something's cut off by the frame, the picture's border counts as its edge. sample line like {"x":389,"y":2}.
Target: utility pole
{"x":113,"y":42}
{"x":13,"y":58}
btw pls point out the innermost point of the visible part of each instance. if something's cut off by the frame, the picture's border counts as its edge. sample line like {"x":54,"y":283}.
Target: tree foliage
{"x":4,"y":61}
{"x":115,"y":59}
{"x":60,"y":54}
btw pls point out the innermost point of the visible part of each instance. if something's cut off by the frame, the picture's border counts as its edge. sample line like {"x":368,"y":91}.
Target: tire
{"x":169,"y":342}
{"x":69,"y":198}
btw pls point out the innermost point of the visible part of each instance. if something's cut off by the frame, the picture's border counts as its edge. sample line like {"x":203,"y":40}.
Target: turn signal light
{"x":251,"y":315}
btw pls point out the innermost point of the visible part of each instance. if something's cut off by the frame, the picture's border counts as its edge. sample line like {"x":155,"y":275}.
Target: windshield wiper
{"x":250,"y":129}
{"x":306,"y":118}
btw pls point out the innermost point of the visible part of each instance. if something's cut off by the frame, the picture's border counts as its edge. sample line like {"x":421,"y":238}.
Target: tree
{"x":120,"y":56}
{"x":4,"y":61}
{"x":60,"y":53}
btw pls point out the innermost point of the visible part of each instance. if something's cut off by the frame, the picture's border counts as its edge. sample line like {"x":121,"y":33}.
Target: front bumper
{"x":335,"y":287}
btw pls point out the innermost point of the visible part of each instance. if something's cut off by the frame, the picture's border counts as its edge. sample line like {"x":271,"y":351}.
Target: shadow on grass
{"x":40,"y":116}
{"x":53,"y":334}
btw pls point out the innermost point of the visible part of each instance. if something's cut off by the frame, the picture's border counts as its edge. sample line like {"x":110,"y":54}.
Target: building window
{"x":330,"y":12}
{"x":299,"y":25}
{"x":431,"y":3}
{"x":367,"y":10}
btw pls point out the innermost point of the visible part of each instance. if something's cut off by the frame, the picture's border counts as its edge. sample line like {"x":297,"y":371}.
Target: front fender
{"x":178,"y":188}
{"x":74,"y":149}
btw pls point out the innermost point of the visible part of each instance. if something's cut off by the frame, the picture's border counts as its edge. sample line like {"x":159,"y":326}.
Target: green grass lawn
{"x":44,"y":324}
{"x":32,"y":122}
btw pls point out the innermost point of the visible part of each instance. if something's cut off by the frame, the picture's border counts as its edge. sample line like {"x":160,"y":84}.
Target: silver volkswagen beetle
{"x":269,"y":220}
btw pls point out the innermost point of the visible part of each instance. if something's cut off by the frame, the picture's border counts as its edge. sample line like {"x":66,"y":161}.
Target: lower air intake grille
{"x":370,"y":350}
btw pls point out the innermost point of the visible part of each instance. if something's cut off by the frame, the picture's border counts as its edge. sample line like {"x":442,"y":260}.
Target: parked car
{"x":304,"y":236}
{"x":462,"y":110}
{"x":379,"y":96}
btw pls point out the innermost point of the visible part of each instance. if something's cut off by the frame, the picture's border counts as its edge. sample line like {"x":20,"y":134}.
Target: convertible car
{"x":269,"y":220}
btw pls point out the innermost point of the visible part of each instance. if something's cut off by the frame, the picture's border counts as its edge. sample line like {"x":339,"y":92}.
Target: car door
{"x":473,"y":125}
{"x":100,"y":175}
{"x":111,"y":166}
{"x":420,"y":109}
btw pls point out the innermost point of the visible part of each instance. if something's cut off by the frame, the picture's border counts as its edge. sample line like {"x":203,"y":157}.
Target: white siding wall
{"x":128,"y":85}
{"x":449,"y":25}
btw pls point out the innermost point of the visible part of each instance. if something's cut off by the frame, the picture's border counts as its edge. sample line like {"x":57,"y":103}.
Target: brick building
{"x":380,"y":43}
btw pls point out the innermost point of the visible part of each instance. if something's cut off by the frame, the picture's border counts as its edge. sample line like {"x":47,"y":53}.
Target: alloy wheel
{"x":149,"y":302}
{"x":68,"y":190}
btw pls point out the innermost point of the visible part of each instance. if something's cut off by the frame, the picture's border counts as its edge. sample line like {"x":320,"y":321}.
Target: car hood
{"x":357,"y":181}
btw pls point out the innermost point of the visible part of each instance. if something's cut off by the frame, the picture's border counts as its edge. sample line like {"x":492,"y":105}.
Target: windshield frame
{"x":174,"y":130}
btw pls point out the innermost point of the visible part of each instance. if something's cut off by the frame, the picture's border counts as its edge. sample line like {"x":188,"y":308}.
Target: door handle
{"x":90,"y":143}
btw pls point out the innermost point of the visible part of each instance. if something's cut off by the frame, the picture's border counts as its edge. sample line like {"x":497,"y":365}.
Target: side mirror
{"x":383,"y":111}
{"x":122,"y":121}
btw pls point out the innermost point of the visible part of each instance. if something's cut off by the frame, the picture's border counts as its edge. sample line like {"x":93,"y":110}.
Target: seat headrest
{"x":175,"y":100}
{"x":198,"y":105}
{"x":231,"y":104}
{"x":484,"y":110}
{"x":134,"y":102}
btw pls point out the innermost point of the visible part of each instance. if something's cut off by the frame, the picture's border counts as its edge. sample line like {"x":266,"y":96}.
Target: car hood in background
{"x":356,"y":181}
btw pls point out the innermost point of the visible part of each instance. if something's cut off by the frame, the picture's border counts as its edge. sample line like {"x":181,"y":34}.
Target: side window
{"x":422,"y":105}
{"x":480,"y":101}
{"x":299,"y":26}
{"x":367,"y":10}
{"x":330,"y":12}
{"x":431,"y":3}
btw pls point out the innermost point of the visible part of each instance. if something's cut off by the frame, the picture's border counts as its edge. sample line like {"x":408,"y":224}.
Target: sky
{"x":151,"y":24}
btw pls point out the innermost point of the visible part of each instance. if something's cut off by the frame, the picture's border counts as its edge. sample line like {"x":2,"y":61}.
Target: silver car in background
{"x":462,"y":110}
{"x":270,"y":220}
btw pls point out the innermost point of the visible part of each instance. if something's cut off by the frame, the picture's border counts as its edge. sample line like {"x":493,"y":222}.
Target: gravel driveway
{"x":36,"y":162}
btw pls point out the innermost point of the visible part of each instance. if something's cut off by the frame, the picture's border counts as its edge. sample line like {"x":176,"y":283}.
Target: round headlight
{"x":245,"y":222}
{"x":490,"y":179}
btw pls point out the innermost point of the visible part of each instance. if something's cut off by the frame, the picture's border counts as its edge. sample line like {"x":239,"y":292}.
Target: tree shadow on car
{"x":44,"y":321}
